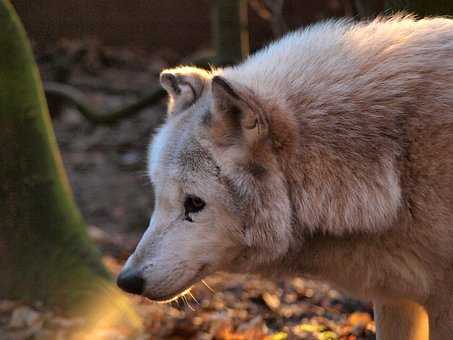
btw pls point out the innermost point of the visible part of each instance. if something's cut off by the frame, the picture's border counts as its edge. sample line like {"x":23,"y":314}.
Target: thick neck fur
{"x":340,"y":106}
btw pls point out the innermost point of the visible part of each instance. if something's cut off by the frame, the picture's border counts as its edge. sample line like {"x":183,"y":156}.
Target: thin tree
{"x":230,"y":31}
{"x":422,"y":7}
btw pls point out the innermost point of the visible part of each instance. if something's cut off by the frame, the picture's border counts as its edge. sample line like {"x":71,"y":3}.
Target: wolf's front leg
{"x":400,"y":320}
{"x":441,"y":319}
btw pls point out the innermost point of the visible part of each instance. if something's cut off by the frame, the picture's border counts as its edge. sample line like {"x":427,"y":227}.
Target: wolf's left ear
{"x":184,"y":86}
{"x":237,"y":112}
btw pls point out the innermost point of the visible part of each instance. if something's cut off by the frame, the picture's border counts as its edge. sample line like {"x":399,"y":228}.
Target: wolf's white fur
{"x":327,"y":154}
{"x":156,"y":151}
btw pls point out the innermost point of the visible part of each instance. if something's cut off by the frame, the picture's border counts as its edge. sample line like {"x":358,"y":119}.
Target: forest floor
{"x":107,"y":170}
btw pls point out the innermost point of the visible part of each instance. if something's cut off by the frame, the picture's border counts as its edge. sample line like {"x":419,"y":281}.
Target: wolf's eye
{"x":193,"y":204}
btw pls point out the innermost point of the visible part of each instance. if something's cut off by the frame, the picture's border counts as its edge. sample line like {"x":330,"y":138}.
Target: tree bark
{"x":45,"y":253}
{"x":368,"y":9}
{"x":423,"y":7}
{"x":230,"y":31}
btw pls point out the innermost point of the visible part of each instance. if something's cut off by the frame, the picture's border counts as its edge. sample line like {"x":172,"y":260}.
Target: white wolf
{"x":327,"y":154}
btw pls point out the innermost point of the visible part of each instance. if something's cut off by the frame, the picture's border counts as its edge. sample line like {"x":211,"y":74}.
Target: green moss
{"x":45,"y":253}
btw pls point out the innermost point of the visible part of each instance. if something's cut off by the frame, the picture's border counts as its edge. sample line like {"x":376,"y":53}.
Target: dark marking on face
{"x":173,"y":82}
{"x":256,"y":170}
{"x":184,"y":82}
{"x":206,"y":119}
{"x":217,"y":170}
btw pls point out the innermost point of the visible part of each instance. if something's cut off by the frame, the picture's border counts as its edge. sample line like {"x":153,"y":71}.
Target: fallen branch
{"x":73,"y":96}
{"x":89,"y":86}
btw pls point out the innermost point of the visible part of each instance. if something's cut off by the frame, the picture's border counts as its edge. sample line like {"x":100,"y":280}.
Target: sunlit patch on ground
{"x":110,"y":312}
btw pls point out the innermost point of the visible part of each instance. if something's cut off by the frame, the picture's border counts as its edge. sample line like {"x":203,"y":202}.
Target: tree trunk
{"x":368,"y":9}
{"x":45,"y":253}
{"x":230,"y":31}
{"x":422,"y":7}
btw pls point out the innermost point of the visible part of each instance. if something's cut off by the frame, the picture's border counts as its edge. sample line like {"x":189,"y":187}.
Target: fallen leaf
{"x":278,"y":336}
{"x":359,"y":319}
{"x":271,"y":300}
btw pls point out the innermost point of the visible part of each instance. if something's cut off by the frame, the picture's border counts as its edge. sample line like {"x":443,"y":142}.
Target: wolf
{"x":328,"y":154}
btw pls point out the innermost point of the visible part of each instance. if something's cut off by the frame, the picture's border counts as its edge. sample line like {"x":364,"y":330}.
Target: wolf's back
{"x":388,"y":61}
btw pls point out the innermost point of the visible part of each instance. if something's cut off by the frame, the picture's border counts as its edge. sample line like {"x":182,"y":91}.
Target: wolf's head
{"x":221,"y":199}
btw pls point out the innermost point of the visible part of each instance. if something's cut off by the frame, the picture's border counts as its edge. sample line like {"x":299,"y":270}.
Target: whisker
{"x":188,"y":304}
{"x":174,"y":303}
{"x":193,"y":298}
{"x":141,"y":173}
{"x":207,"y":286}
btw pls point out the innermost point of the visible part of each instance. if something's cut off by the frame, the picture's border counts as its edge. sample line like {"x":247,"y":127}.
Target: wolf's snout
{"x":131,"y":282}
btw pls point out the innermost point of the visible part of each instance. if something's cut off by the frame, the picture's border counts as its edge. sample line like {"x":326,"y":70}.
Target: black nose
{"x":131,"y":282}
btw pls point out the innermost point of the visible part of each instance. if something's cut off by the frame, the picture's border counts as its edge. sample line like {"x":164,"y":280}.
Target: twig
{"x":71,"y":95}
{"x":207,"y":286}
{"x":89,"y":86}
{"x":75,"y":97}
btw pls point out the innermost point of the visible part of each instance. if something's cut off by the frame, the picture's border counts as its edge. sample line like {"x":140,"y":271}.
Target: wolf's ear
{"x":237,"y":112}
{"x":184,"y":86}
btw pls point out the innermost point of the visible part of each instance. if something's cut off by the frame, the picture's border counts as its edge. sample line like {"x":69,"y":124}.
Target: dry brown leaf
{"x":359,"y":319}
{"x":272,"y":301}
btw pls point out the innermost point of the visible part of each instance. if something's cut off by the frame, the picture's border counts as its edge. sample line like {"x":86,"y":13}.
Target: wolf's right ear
{"x":184,"y":86}
{"x":236,"y":110}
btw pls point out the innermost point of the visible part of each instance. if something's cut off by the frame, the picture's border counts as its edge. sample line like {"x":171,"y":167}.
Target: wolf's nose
{"x":130,"y":282}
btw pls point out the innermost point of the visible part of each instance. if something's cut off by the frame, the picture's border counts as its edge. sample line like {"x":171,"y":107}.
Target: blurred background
{"x":100,"y":61}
